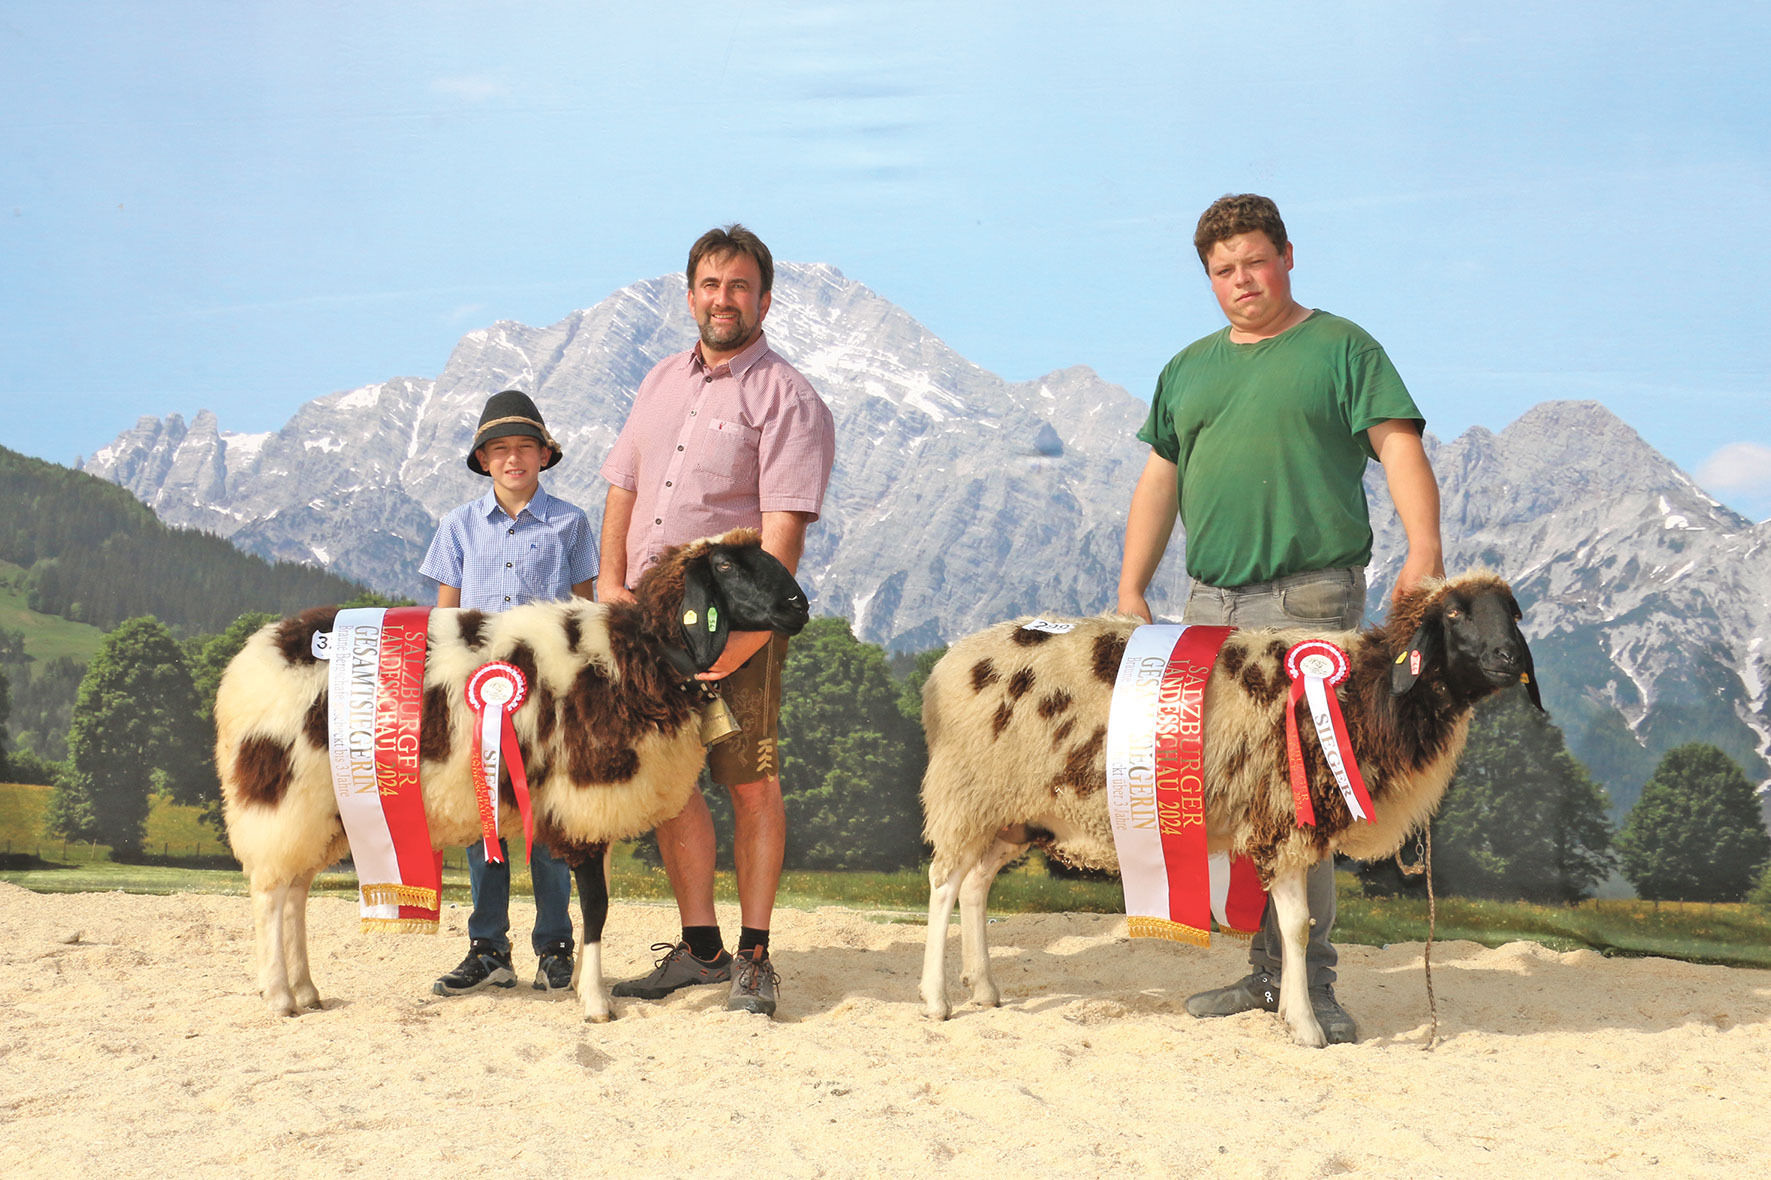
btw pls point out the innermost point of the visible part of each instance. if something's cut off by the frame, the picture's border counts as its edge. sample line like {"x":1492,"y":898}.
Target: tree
{"x":5,"y":712}
{"x":135,"y":717}
{"x":1696,"y":834}
{"x":208,"y":658}
{"x":1522,"y":818}
{"x":851,"y":755}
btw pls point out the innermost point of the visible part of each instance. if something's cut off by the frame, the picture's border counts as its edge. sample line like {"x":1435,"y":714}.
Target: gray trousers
{"x":1323,"y":600}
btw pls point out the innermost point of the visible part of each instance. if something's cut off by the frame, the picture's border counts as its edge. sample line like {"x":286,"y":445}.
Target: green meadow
{"x":184,"y":855}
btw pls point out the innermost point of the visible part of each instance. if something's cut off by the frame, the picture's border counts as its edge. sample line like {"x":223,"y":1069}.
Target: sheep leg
{"x":943,"y":892}
{"x":269,"y":907}
{"x":1291,"y":910}
{"x":592,"y":874}
{"x":974,"y":915}
{"x":295,"y":964}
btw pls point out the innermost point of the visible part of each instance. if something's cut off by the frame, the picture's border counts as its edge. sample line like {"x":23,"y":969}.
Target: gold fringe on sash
{"x":394,"y":893}
{"x":1142,"y":927}
{"x":400,"y":925}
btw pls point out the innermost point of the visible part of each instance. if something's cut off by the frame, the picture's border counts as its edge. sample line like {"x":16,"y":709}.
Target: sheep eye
{"x":1453,"y":613}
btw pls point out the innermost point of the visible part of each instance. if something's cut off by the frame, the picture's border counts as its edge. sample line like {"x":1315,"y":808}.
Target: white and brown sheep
{"x":1016,"y":721}
{"x":609,"y":734}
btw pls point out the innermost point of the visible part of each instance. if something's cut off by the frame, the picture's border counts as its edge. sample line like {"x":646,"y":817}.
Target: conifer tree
{"x":1522,"y":818}
{"x":135,"y":716}
{"x":851,"y":754}
{"x":1696,"y":834}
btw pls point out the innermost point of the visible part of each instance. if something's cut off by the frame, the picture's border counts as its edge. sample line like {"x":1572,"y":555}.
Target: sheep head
{"x":701,"y":591}
{"x":1468,"y":629}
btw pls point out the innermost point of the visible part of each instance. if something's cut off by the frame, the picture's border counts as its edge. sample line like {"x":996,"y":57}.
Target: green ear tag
{"x":713,"y":618}
{"x":688,"y":618}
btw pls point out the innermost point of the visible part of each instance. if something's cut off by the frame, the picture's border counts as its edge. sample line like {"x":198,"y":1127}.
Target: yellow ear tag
{"x":688,"y":618}
{"x":1401,"y":657}
{"x":1524,"y":678}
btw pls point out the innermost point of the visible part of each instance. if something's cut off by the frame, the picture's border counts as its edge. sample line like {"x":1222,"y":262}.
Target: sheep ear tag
{"x":494,"y":692}
{"x":703,"y":618}
{"x":1315,"y":667}
{"x":1412,"y":660}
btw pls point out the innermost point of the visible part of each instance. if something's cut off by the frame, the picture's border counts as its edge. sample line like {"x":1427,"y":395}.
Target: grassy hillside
{"x":46,"y":636}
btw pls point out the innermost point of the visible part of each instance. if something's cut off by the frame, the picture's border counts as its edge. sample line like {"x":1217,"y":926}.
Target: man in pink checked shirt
{"x":723,"y":436}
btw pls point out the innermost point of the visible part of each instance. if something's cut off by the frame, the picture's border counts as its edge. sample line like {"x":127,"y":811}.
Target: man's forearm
{"x":617,"y":518}
{"x":1415,"y":492}
{"x":784,"y":537}
{"x":1148,"y":525}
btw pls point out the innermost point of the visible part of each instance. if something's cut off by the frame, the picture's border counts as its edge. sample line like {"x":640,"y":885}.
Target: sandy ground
{"x":132,"y":1043}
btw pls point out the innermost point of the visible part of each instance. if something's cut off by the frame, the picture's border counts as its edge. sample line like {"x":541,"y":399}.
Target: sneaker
{"x":484,"y":966}
{"x":554,"y":972}
{"x":677,"y":969}
{"x":754,"y":985}
{"x":1337,"y":1026}
{"x":1257,"y":991}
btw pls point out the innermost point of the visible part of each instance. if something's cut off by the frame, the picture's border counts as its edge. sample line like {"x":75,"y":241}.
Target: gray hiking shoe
{"x":485,"y":966}
{"x":554,"y":971}
{"x":755,"y":985}
{"x":677,"y":969}
{"x":1257,"y":991}
{"x":1337,"y":1026}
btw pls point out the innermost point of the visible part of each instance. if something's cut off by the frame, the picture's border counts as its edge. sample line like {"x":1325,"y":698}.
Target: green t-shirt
{"x":1270,"y":441}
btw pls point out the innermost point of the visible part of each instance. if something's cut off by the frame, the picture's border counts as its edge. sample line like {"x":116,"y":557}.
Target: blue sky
{"x":241,"y":206}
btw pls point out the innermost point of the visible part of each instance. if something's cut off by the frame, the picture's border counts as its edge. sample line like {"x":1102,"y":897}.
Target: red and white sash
{"x":376,"y":690}
{"x":1156,"y":792}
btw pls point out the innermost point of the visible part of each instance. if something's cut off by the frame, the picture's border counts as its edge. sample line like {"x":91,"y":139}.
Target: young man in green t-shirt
{"x":1259,"y":434}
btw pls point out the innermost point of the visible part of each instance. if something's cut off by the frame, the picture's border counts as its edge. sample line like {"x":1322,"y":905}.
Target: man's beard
{"x":716,"y":337}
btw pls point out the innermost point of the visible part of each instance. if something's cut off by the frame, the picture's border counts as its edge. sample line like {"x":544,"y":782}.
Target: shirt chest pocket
{"x":728,"y":452}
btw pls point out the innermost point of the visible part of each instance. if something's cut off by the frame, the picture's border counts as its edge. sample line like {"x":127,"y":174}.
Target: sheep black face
{"x":1474,"y":634}
{"x":737,"y":588}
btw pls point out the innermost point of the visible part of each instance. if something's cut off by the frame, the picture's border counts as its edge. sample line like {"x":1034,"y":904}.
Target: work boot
{"x":1337,"y":1026}
{"x":554,"y":971}
{"x":485,"y":966}
{"x":1258,"y":990}
{"x":677,"y":969}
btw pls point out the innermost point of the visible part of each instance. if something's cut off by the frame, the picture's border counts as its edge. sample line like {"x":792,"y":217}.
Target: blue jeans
{"x":1323,"y":600}
{"x":490,"y":920}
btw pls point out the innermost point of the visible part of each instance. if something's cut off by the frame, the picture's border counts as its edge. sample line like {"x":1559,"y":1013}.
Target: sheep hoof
{"x":308,"y":998}
{"x":936,"y":1010}
{"x":281,"y":1003}
{"x":598,"y":1017}
{"x":1309,"y":1034}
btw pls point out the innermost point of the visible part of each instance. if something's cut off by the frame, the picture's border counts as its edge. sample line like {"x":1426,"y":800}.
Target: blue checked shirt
{"x":499,"y":563}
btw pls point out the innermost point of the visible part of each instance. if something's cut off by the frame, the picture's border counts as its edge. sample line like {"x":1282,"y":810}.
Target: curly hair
{"x":1238,"y":213}
{"x":733,"y":239}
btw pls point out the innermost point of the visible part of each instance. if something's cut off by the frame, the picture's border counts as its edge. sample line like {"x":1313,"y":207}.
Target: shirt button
{"x":511,"y":531}
{"x":679,"y":447}
{"x":507,"y":598}
{"x":507,"y":565}
{"x":667,"y":483}
{"x":657,"y":520}
{"x":707,"y":380}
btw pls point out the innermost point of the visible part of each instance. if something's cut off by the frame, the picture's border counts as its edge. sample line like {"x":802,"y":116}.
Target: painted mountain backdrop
{"x":959,"y":499}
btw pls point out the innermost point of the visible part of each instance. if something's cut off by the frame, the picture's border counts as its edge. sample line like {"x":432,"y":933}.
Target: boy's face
{"x":514,"y":463}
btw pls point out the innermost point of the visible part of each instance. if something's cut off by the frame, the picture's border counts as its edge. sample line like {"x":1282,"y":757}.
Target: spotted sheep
{"x":609,"y":734}
{"x":1016,"y":723}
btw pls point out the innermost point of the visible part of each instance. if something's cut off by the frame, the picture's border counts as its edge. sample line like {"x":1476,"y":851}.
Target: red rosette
{"x":500,"y":686}
{"x":497,"y":683}
{"x":1318,"y":658}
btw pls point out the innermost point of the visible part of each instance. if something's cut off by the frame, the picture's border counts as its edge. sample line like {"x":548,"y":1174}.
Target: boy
{"x":513,"y":545}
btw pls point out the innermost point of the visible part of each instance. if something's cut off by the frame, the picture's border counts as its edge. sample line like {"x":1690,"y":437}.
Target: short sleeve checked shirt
{"x":710,"y":449}
{"x":498,"y":562}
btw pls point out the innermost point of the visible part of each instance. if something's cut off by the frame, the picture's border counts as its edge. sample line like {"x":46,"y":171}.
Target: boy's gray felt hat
{"x":510,"y":413}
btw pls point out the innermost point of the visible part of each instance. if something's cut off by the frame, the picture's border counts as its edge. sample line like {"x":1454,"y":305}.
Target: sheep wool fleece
{"x":1269,"y":439}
